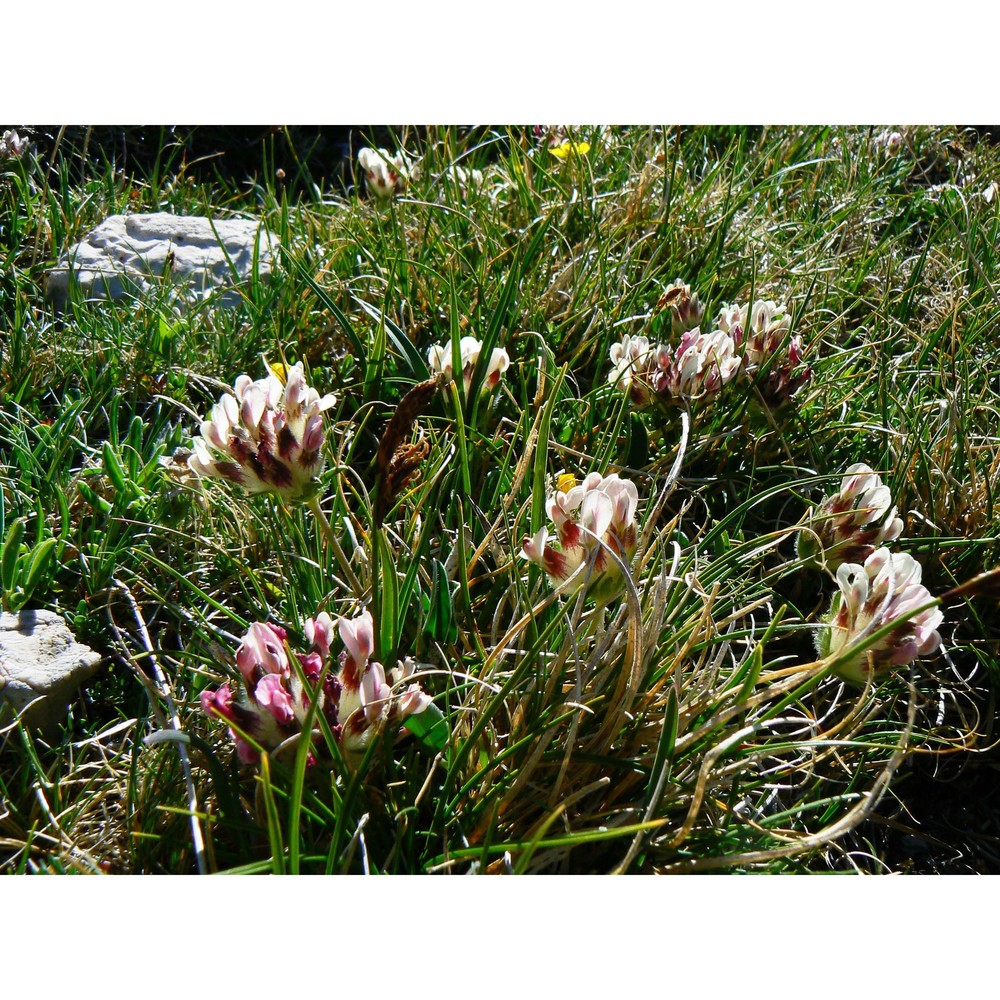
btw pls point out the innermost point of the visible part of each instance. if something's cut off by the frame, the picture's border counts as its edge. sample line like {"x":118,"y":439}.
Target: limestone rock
{"x":41,"y":665}
{"x":127,"y":254}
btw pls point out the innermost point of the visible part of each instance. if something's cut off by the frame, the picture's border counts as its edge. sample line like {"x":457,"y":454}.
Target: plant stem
{"x":331,"y":540}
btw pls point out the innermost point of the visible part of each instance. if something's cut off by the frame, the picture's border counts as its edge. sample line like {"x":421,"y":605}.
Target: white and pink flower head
{"x":770,"y":354}
{"x":848,"y":526}
{"x":440,"y":360}
{"x":594,"y":523}
{"x":265,"y":436}
{"x":353,"y":692}
{"x":884,"y":591}
{"x":387,"y":175}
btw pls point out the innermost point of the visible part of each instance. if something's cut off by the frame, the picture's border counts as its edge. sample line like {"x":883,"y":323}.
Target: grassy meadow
{"x":556,"y":602}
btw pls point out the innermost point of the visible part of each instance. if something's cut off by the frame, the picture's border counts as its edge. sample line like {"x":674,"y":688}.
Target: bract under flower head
{"x":594,"y":522}
{"x":440,"y":361}
{"x":356,"y":698}
{"x":848,"y":526}
{"x":266,"y":436}
{"x":387,"y":175}
{"x":886,"y":590}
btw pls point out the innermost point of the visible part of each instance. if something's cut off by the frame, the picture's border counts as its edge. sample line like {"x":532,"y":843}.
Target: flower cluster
{"x":753,"y":339}
{"x":700,"y":365}
{"x":439,"y":359}
{"x":12,"y":146}
{"x":465,"y":179}
{"x":272,"y":703}
{"x":683,"y":308}
{"x":771,"y":355}
{"x":633,"y":368}
{"x":266,"y":436}
{"x":387,"y":175}
{"x":594,"y":522}
{"x":888,"y":142}
{"x":848,"y":526}
{"x":885,"y":591}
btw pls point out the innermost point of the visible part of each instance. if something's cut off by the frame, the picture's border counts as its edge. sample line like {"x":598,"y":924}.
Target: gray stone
{"x":41,"y":666}
{"x":127,"y":254}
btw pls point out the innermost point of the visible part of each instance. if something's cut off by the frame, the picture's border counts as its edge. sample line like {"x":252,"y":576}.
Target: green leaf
{"x":95,"y":501}
{"x":385,"y":598}
{"x":40,"y":559}
{"x":441,"y":625}
{"x":114,"y":470}
{"x":430,"y":727}
{"x":638,"y":443}
{"x":9,"y":557}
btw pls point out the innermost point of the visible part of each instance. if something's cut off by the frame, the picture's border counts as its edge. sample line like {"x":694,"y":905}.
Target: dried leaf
{"x":397,"y":461}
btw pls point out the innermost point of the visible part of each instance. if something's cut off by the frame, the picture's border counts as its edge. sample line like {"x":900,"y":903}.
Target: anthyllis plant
{"x":595,"y":535}
{"x":469,"y":659}
{"x":850,"y":525}
{"x":753,"y":342}
{"x":277,"y":698}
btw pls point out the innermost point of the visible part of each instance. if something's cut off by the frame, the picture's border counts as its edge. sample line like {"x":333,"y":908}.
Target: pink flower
{"x":413,"y":700}
{"x":851,"y":524}
{"x":319,"y":632}
{"x":886,"y":590}
{"x":594,"y":522}
{"x":358,"y":635}
{"x":266,"y":437}
{"x":440,"y":358}
{"x":272,"y":703}
{"x":262,"y":651}
{"x":699,"y":367}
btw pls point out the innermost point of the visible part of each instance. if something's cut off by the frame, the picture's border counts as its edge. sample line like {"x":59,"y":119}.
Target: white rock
{"x":41,"y":666}
{"x":127,"y":254}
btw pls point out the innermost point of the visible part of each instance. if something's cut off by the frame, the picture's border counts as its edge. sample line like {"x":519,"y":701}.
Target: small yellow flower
{"x":278,"y":369}
{"x":565,"y":482}
{"x":567,"y":148}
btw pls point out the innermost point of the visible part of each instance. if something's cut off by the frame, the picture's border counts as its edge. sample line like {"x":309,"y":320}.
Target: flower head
{"x":771,"y":355}
{"x":12,"y":146}
{"x":685,"y":310}
{"x":356,"y":698}
{"x":265,"y":436}
{"x":387,"y":175}
{"x":634,"y":362}
{"x":465,"y":179}
{"x":699,"y":367}
{"x":439,"y":359}
{"x":885,"y":591}
{"x":568,"y":148}
{"x":888,"y":142}
{"x":594,"y":522}
{"x":848,"y":526}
